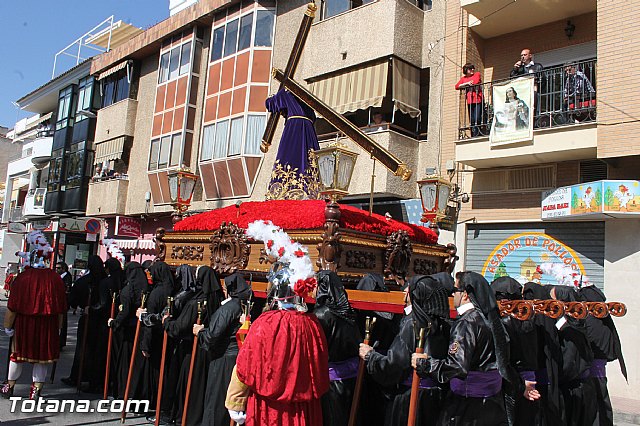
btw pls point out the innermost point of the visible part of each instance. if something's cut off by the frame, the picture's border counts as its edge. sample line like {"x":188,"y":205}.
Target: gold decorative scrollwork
{"x":229,"y":248}
{"x":187,"y":252}
{"x":597,"y":309}
{"x":617,"y":309}
{"x":519,"y":309}
{"x":288,"y":183}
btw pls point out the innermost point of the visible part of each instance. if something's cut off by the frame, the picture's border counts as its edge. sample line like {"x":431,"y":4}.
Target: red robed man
{"x":34,"y":316}
{"x":284,"y":364}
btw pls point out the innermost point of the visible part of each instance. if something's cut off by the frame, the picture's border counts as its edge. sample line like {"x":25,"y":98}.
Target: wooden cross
{"x":350,"y":130}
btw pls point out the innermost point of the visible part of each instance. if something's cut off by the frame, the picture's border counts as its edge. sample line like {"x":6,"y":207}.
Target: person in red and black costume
{"x":34,"y":318}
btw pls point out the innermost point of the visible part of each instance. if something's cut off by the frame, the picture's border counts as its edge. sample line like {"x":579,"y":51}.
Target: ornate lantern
{"x":335,"y":166}
{"x":181,"y":185}
{"x":434,"y":193}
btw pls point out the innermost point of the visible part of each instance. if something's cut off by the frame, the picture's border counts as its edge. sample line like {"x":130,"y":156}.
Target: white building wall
{"x":621,"y":270}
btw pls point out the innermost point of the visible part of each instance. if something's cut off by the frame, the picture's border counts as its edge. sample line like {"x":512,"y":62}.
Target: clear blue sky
{"x":33,"y":31}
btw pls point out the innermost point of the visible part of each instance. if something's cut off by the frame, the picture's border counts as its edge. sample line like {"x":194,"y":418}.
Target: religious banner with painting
{"x":513,"y":109}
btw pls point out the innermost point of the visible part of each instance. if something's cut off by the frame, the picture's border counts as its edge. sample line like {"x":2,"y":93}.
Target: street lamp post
{"x":181,"y":185}
{"x":434,"y":194}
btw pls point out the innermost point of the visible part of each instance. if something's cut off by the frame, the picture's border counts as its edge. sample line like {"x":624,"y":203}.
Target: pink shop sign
{"x":127,"y":227}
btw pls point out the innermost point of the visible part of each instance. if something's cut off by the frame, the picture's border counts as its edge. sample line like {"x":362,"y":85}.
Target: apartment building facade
{"x":567,"y":194}
{"x":202,"y":77}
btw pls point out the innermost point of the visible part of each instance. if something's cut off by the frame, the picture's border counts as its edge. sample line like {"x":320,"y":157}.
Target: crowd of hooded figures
{"x":299,"y":364}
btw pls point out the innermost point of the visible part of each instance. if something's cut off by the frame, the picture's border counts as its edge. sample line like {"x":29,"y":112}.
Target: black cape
{"x":337,"y":319}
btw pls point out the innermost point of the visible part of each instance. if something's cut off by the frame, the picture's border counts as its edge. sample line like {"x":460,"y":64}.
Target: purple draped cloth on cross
{"x":294,"y":175}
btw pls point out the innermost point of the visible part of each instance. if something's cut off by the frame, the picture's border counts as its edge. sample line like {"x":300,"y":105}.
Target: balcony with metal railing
{"x":563,"y":116}
{"x":34,"y":204}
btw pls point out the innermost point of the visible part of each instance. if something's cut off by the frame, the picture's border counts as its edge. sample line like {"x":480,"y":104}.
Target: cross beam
{"x":289,"y":71}
{"x":352,"y":131}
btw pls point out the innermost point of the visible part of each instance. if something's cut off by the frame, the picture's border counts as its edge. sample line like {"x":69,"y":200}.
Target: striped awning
{"x":114,"y":69}
{"x":406,"y":88}
{"x":109,"y":150}
{"x":358,"y":88}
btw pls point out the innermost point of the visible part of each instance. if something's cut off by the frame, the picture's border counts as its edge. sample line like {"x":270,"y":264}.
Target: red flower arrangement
{"x":302,"y":214}
{"x":303,"y":287}
{"x":298,"y":253}
{"x":269,"y":244}
{"x":281,"y":251}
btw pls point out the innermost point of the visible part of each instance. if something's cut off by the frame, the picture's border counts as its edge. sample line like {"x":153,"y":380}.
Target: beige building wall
{"x":618,"y":106}
{"x":622,"y":257}
{"x":139,"y":157}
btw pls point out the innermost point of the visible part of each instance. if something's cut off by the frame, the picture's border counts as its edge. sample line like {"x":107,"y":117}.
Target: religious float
{"x":340,"y":238}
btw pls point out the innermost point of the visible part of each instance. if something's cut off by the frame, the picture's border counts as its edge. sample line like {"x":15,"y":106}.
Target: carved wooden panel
{"x":360,"y":259}
{"x":425,"y":266}
{"x":329,"y":249}
{"x":398,"y":254}
{"x":187,"y":252}
{"x":161,"y":247}
{"x":230,"y":249}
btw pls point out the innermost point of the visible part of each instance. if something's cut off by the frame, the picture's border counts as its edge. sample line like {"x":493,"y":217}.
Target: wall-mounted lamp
{"x":569,"y":29}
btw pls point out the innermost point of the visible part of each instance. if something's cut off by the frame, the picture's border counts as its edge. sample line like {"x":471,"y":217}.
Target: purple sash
{"x":478,"y":384}
{"x":347,"y":369}
{"x":598,"y":369}
{"x":427,"y":383}
{"x":528,"y":375}
{"x":542,"y":377}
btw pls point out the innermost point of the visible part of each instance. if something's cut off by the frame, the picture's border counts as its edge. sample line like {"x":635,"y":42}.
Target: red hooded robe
{"x":37,"y":298}
{"x":284,"y":362}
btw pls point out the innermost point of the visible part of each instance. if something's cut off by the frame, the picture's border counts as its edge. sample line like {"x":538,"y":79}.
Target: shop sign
{"x":531,"y":256}
{"x":593,"y":200}
{"x":87,"y":224}
{"x":17,"y":227}
{"x":127,"y":227}
{"x":42,"y":225}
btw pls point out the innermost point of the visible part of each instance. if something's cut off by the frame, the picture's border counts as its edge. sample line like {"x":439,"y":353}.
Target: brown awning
{"x":114,"y":69}
{"x":406,"y":88}
{"x":358,"y":88}
{"x":109,"y":150}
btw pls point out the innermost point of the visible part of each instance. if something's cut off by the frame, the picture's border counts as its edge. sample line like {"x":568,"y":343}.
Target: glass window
{"x":85,"y":95}
{"x":75,"y":166}
{"x":165,"y":147}
{"x":208,"y":135}
{"x":185,"y":58}
{"x":164,"y":68}
{"x":334,"y":7}
{"x":108,"y":89}
{"x":122,"y":87}
{"x":235,"y":136}
{"x":231,"y":38}
{"x":153,"y":157}
{"x":218,"y":40}
{"x":176,"y":147}
{"x":55,"y":170}
{"x":64,"y":107}
{"x":264,"y":28}
{"x":255,"y":130}
{"x":174,"y":63}
{"x":246,"y":24}
{"x":220,"y":145}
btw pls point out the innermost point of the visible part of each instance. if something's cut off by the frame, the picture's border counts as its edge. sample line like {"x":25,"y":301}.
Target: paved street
{"x":55,"y":391}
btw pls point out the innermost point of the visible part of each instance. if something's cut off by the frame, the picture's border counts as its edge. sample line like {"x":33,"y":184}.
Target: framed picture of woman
{"x":513,"y":111}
